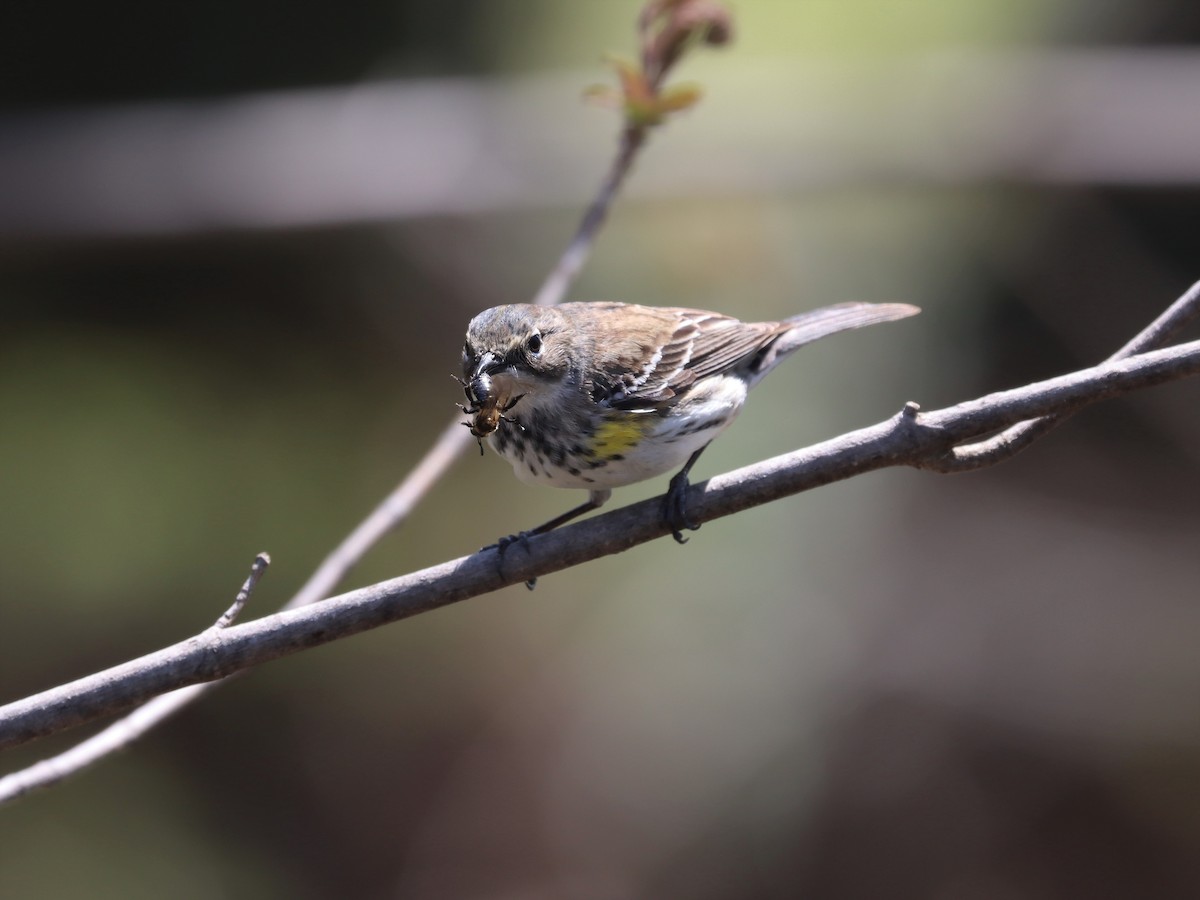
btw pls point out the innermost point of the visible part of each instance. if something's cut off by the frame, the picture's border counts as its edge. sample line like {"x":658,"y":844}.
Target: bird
{"x":600,"y":395}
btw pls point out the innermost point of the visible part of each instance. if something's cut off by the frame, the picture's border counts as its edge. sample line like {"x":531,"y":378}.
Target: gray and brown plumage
{"x":600,"y":395}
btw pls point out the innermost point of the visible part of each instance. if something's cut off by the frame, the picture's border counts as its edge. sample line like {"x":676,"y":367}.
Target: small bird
{"x":596,"y":396}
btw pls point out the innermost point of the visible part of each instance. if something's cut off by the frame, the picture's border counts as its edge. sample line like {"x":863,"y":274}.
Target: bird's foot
{"x":501,"y":547}
{"x":675,"y":512}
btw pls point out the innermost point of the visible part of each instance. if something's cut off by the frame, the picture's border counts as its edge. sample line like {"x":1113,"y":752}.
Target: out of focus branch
{"x":665,"y":30}
{"x":910,"y":438}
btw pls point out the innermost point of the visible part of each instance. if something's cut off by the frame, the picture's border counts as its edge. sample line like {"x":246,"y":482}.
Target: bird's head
{"x":512,"y":352}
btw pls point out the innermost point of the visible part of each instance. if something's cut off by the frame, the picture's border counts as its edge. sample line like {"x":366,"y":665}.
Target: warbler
{"x":596,"y":396}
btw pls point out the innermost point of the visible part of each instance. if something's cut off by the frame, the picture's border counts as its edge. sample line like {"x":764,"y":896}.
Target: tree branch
{"x":910,"y":438}
{"x":1013,"y":440}
{"x":664,"y":31}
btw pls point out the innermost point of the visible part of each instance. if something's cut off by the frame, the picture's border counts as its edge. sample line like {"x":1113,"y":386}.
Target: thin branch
{"x":1013,"y":440}
{"x":559,"y":281}
{"x":126,"y":730}
{"x":909,"y":438}
{"x":394,"y":509}
{"x":400,"y":503}
{"x":54,"y":769}
{"x":257,"y":570}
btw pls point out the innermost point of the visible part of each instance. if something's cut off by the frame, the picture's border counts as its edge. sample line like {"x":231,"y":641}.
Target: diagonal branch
{"x":388,"y":515}
{"x":910,"y":438}
{"x":680,"y":22}
{"x":1013,"y":440}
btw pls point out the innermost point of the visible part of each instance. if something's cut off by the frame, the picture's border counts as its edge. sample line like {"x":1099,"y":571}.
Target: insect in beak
{"x":487,"y":409}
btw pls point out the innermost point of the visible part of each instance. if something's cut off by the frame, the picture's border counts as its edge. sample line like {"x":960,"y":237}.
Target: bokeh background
{"x":239,"y":244}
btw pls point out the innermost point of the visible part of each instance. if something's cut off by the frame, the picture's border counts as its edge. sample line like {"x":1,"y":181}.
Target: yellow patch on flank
{"x":619,"y":435}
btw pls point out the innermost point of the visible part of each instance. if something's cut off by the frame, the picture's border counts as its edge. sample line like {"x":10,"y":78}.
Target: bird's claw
{"x":501,"y":546}
{"x":675,"y":512}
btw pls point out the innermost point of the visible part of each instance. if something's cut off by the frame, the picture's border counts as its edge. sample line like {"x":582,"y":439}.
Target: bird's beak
{"x":479,"y":379}
{"x":481,"y":365}
{"x":480,"y":385}
{"x":487,"y":365}
{"x":489,"y":400}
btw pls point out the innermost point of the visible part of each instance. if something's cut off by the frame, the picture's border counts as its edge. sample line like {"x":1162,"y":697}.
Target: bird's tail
{"x":818,"y":323}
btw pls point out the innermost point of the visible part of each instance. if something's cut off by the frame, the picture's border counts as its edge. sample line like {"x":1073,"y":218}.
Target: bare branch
{"x":708,"y":20}
{"x":49,"y":772}
{"x":909,"y":438}
{"x":125,"y":731}
{"x":1015,"y":439}
{"x":559,"y":281}
{"x":257,"y":570}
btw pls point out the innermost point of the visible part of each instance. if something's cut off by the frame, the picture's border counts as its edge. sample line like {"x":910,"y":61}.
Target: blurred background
{"x":239,"y":245}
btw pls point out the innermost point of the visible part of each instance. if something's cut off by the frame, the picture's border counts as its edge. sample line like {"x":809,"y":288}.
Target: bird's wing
{"x":660,"y":351}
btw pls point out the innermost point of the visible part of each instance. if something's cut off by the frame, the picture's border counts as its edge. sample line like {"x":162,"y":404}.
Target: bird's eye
{"x":534,"y":343}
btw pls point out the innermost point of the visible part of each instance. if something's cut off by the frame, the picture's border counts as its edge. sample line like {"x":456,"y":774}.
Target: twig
{"x":559,"y":281}
{"x":1015,"y":439}
{"x":257,"y":569}
{"x":909,"y":438}
{"x":119,"y":734}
